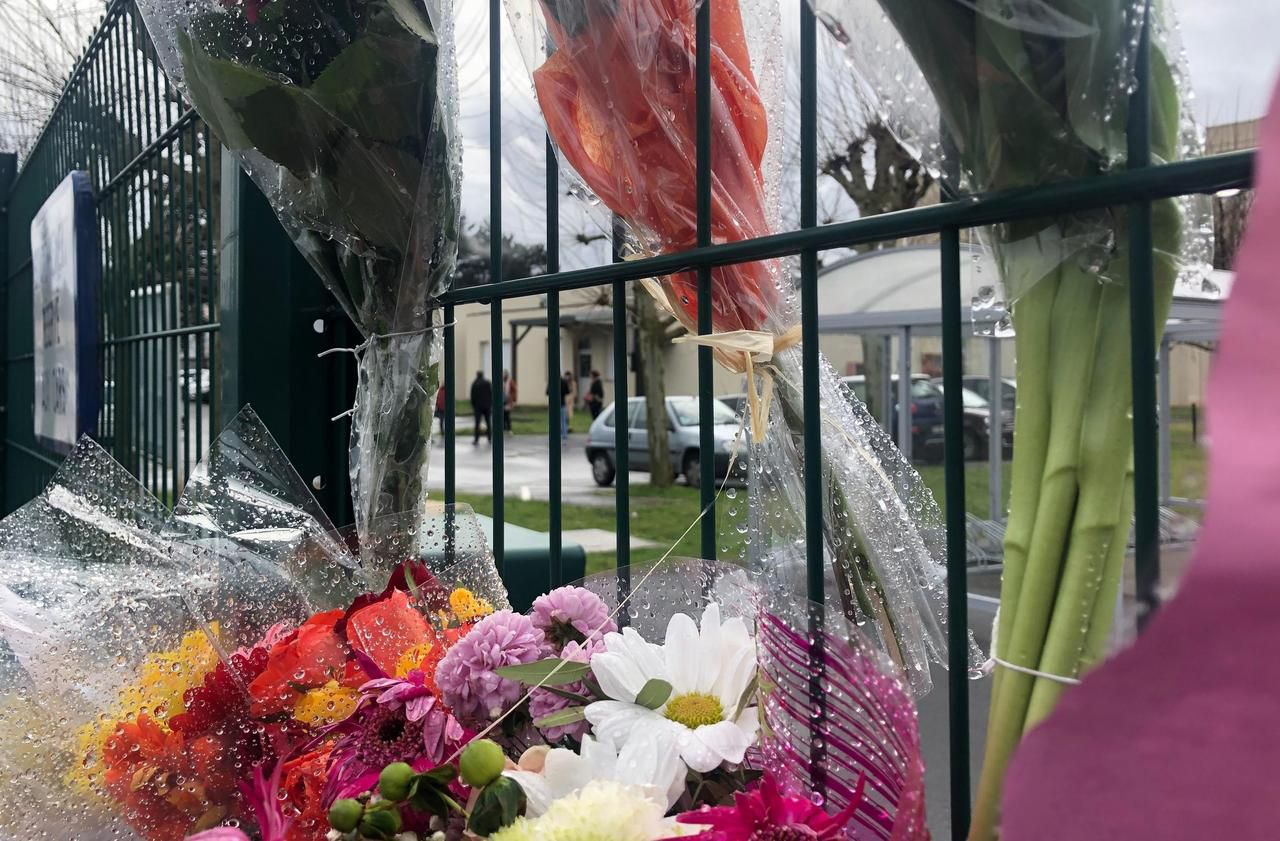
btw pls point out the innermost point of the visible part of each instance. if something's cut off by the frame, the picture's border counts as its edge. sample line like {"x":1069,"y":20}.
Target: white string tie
{"x":993,"y":661}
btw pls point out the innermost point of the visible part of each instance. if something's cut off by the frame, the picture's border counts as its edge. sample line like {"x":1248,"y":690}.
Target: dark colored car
{"x":926,"y":412}
{"x":981,"y":385}
{"x":977,"y":424}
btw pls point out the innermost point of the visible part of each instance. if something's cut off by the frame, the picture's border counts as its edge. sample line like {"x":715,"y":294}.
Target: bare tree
{"x":42,"y":41}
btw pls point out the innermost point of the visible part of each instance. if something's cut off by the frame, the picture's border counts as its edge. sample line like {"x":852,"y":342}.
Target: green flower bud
{"x":380,"y":824}
{"x":481,"y":763}
{"x":344,"y":815}
{"x":395,"y":780}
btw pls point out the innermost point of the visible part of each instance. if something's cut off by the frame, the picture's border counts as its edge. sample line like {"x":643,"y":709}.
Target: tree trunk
{"x":873,"y":368}
{"x":651,"y":334}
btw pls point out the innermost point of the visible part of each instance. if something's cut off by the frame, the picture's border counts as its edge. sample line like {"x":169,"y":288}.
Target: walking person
{"x":440,"y":398}
{"x":595,"y":395}
{"x":508,"y":399}
{"x":482,"y":406}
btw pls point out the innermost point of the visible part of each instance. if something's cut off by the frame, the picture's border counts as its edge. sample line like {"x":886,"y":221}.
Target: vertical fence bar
{"x":814,"y":528}
{"x":554,"y":516}
{"x":957,"y":570}
{"x":622,"y":438}
{"x":1165,"y":423}
{"x":995,"y":441}
{"x":496,"y":331}
{"x":904,"y":393}
{"x":450,"y":408}
{"x":706,"y":371}
{"x":1142,"y":348}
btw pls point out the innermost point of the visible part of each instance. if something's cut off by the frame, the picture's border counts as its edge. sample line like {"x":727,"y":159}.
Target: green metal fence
{"x":170,"y":306}
{"x":200,"y":285}
{"x":1135,"y":188}
{"x":155,"y":168}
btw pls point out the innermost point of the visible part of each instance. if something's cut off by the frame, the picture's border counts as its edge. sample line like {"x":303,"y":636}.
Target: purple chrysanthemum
{"x":467,"y":675}
{"x":543,"y":702}
{"x":397,"y":720}
{"x":571,"y":614}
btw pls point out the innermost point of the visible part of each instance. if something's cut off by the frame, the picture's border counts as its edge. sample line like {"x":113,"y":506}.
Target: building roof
{"x":901,"y":287}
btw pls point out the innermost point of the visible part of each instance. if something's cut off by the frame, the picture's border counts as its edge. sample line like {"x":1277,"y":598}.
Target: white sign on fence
{"x":64,"y":269}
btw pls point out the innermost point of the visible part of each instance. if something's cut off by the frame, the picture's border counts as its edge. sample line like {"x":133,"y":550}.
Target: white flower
{"x":602,"y":810}
{"x":709,"y":671}
{"x":652,"y":766}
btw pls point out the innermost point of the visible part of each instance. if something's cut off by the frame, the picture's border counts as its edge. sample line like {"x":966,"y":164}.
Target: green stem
{"x":1075,"y":320}
{"x":1100,"y":530}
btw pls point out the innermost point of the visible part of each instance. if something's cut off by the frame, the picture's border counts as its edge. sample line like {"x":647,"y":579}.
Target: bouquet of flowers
{"x":1029,"y":93}
{"x":342,"y":111}
{"x":204,"y":675}
{"x":615,"y":82}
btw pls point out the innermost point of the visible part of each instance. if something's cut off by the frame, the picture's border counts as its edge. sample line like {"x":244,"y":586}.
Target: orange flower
{"x":309,"y":657}
{"x":168,"y":786}
{"x":388,"y":628}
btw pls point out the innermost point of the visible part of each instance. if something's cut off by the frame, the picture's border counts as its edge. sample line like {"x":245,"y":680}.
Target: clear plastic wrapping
{"x":145,"y":669}
{"x":616,"y":85}
{"x":344,"y":114}
{"x":861,"y":725}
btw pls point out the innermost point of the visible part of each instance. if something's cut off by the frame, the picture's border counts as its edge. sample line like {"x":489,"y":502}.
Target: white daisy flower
{"x":652,"y":766}
{"x":709,"y":670}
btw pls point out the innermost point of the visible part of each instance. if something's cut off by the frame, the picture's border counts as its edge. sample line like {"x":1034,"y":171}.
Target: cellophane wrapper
{"x":118,"y":616}
{"x":998,"y":95}
{"x":615,"y":82}
{"x":344,"y":114}
{"x":833,"y":707}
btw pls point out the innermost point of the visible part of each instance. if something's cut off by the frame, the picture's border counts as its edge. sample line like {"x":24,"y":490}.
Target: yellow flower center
{"x":695,"y":709}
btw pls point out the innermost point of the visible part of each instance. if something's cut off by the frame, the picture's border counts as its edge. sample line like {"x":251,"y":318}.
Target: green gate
{"x":196,"y":277}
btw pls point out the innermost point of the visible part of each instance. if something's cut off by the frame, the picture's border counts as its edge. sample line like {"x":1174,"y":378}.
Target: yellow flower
{"x":412,"y":658}
{"x":163,"y":680}
{"x":468,"y":607}
{"x":327,"y":704}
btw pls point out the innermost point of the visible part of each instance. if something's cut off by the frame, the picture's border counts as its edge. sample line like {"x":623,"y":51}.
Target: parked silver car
{"x":682,"y":426}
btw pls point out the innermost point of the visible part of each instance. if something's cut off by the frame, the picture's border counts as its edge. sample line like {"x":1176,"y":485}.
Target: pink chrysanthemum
{"x":766,"y":813}
{"x":571,"y":614}
{"x":543,"y":702}
{"x":467,"y":675}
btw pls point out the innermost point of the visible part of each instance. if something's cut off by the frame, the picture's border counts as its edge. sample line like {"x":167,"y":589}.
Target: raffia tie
{"x":749,"y":352}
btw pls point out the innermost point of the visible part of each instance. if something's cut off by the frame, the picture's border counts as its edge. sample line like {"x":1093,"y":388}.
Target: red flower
{"x":309,"y":657}
{"x":303,"y":786}
{"x":220,"y":700}
{"x":168,"y":785}
{"x":766,"y":813}
{"x":618,"y":97}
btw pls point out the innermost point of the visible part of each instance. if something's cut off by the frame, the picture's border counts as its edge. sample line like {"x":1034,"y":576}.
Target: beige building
{"x":893,"y":294}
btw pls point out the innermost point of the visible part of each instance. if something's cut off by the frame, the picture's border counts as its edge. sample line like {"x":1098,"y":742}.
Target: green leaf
{"x":550,"y":672}
{"x":572,"y":696}
{"x":499,"y":804}
{"x":568,"y":715}
{"x":654,"y":693}
{"x":748,"y":693}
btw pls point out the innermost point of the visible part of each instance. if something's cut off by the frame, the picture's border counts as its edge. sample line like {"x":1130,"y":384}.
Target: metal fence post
{"x":271,"y":304}
{"x":8,"y":169}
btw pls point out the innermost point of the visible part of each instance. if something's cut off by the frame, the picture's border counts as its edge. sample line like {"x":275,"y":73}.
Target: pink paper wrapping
{"x":1179,"y":736}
